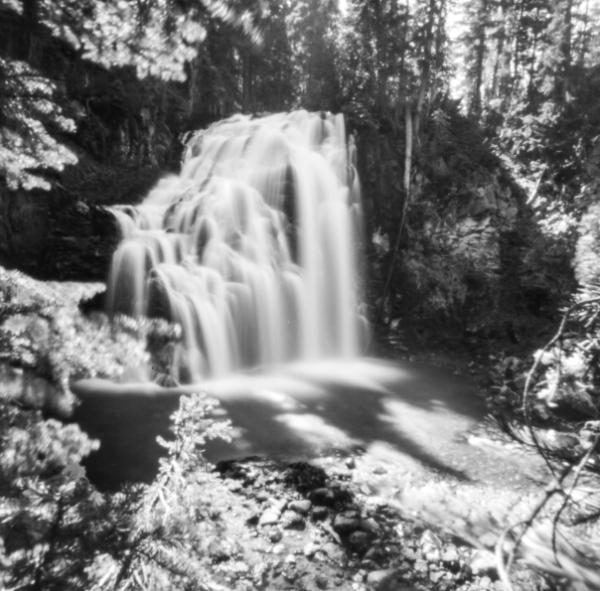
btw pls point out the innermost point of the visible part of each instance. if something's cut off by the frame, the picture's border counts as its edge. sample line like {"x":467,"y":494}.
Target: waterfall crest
{"x":252,"y":248}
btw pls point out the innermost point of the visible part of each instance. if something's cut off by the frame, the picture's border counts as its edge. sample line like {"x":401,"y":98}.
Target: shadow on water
{"x":416,"y":411}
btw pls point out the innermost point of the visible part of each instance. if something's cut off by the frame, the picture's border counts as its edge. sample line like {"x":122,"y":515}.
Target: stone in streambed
{"x":292,"y":520}
{"x":271,"y":515}
{"x":262,"y":496}
{"x":334,"y":552}
{"x":310,"y":549}
{"x":302,"y":507}
{"x":431,"y":546}
{"x":322,"y":496}
{"x":359,"y":541}
{"x":451,"y":558}
{"x":382,"y":580}
{"x":370,"y":525}
{"x":483,"y":562}
{"x":346,"y":523}
{"x":275,"y":535}
{"x":436,"y":576}
{"x":319,"y":513}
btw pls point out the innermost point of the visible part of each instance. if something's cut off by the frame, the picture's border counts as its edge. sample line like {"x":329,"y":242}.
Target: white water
{"x":252,"y":249}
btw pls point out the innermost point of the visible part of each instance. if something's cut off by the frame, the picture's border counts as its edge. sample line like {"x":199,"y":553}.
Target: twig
{"x":532,"y":371}
{"x":504,"y":569}
{"x":38,"y":581}
{"x":566,"y":499}
{"x":536,"y":188}
{"x":557,"y":485}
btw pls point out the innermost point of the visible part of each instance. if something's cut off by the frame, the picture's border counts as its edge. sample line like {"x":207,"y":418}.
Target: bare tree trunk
{"x":30,"y":17}
{"x":247,"y":83}
{"x":565,"y":51}
{"x":532,"y":64}
{"x":425,"y":67}
{"x":408,"y":158}
{"x":475,"y":106}
{"x":380,"y":57}
{"x":499,"y":57}
{"x":192,"y":83}
{"x":516,"y":51}
{"x":584,"y":35}
{"x":403,"y":84}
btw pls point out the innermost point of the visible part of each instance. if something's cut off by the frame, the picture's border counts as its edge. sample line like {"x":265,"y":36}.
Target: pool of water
{"x":419,"y":415}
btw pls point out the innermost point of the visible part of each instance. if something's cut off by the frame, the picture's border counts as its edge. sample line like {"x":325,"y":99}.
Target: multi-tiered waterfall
{"x":252,"y":248}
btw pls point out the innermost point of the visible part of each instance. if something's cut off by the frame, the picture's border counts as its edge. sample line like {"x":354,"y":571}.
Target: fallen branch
{"x":526,"y":405}
{"x":556,"y":486}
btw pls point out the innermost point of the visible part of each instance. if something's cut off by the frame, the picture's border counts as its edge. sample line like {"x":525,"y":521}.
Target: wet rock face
{"x":51,"y":236}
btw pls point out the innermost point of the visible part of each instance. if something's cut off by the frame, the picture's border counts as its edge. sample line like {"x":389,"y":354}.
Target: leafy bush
{"x":450,"y":273}
{"x":46,"y":343}
{"x":30,"y":112}
{"x":565,"y":383}
{"x":43,"y":336}
{"x":188,"y":530}
{"x":51,"y":517}
{"x":59,"y":532}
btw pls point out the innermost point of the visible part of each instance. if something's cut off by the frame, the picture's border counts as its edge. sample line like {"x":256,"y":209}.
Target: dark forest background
{"x":476,"y":124}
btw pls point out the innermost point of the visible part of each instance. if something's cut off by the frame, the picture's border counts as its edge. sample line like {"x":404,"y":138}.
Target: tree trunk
{"x":516,"y":51}
{"x":475,"y":106}
{"x":403,"y":84}
{"x":247,"y":82}
{"x":565,"y":53}
{"x":499,"y":57}
{"x":30,"y":19}
{"x":425,"y":67}
{"x":380,"y":57}
{"x":583,"y":47}
{"x":532,"y":63}
{"x":192,"y":83}
{"x":408,"y":157}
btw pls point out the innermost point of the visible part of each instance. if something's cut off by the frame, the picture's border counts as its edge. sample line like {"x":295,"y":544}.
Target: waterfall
{"x":252,"y":248}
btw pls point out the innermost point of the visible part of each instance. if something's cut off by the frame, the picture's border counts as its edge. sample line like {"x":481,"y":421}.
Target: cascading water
{"x":252,"y":248}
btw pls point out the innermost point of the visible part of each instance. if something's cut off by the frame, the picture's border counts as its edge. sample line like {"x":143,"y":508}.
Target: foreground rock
{"x":54,"y":236}
{"x":352,"y":541}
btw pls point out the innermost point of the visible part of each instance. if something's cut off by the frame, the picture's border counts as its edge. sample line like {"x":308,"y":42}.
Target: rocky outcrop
{"x":55,"y":236}
{"x":472,"y":263}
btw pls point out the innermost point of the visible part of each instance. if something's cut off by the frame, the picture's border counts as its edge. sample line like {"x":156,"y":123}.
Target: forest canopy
{"x":508,"y":61}
{"x":155,"y":39}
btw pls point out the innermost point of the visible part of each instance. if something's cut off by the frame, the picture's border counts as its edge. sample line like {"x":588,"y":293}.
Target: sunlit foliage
{"x":48,"y":508}
{"x":187,"y":530}
{"x":57,"y":531}
{"x":30,"y":112}
{"x":157,"y":39}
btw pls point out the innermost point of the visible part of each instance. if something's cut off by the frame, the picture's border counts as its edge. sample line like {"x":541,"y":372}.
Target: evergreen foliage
{"x":156,"y":40}
{"x":59,"y":532}
{"x":30,"y":113}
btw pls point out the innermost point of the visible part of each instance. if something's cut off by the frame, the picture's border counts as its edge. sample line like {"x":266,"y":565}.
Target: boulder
{"x":53,"y":236}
